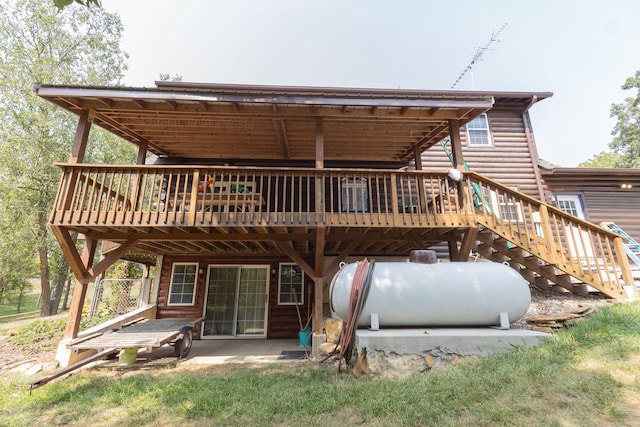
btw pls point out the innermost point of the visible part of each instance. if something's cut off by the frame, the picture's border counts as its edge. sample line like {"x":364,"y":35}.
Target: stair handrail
{"x":576,"y":246}
{"x":536,"y":202}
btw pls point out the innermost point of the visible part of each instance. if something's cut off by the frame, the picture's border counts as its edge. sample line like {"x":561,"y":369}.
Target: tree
{"x":166,"y":77}
{"x":602,"y":160}
{"x":39,"y":44}
{"x":626,"y":132}
{"x":61,"y":4}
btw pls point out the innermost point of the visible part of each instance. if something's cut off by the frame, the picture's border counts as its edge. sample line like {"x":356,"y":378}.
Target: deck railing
{"x":152,"y":197}
{"x":577,"y":247}
{"x":157,"y":196}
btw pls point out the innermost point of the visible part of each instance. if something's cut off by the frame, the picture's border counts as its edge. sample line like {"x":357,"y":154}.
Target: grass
{"x":9,"y":310}
{"x":588,"y":376}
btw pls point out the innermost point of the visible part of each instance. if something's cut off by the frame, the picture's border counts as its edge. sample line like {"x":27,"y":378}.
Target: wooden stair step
{"x":517,"y":254}
{"x":532,"y":262}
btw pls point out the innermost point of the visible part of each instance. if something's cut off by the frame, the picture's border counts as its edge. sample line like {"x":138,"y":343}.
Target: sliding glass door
{"x":236,"y":304}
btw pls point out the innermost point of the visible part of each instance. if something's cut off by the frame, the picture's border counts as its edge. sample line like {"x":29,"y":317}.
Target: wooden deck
{"x":191,"y":210}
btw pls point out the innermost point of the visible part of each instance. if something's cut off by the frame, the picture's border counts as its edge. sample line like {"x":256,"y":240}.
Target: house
{"x":258,"y":193}
{"x":596,"y":194}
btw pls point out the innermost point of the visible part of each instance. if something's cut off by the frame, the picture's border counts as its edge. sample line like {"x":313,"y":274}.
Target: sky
{"x":581,"y":50}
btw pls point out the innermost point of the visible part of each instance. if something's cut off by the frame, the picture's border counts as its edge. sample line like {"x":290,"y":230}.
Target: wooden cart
{"x":147,"y":334}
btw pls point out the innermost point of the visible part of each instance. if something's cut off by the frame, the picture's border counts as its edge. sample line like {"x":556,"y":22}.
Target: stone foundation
{"x":400,"y":353}
{"x":393,"y":365}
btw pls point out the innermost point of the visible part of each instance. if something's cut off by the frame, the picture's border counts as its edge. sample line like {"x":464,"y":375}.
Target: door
{"x":578,"y":240}
{"x":236,"y":301}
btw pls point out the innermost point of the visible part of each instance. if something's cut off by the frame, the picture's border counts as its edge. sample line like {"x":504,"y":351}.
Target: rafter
{"x":281,"y":134}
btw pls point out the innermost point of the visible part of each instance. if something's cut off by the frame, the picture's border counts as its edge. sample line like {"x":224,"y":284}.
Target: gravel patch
{"x":546,"y":303}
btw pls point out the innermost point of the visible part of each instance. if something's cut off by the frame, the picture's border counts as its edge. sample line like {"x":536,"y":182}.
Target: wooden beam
{"x":319,"y":143}
{"x":82,"y":135}
{"x":197,"y":237}
{"x":295,"y":257}
{"x":319,"y":252}
{"x":142,"y":153}
{"x":453,"y":250}
{"x":125,"y":132}
{"x":75,"y":310}
{"x":110,"y":259}
{"x":281,"y":134}
{"x":318,"y":280}
{"x":319,"y":165}
{"x":88,"y":251}
{"x":81,"y":266}
{"x":432,"y":133}
{"x":342,"y":255}
{"x":468,"y":240}
{"x":70,"y":252}
{"x":456,"y":143}
{"x":80,"y":291}
{"x":422,"y":189}
{"x":140,"y":103}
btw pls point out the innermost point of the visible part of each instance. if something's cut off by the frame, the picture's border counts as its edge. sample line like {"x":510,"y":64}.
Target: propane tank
{"x":443,"y":294}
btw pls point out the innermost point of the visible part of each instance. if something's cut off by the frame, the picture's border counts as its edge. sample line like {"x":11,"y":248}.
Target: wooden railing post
{"x":548,"y":234}
{"x":320,"y":199}
{"x":193,"y":203}
{"x":623,"y":262}
{"x":394,"y":199}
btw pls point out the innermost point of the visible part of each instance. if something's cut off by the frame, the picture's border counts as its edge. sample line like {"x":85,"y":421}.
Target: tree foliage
{"x":602,"y":160}
{"x":626,"y":132}
{"x":39,"y":44}
{"x":61,"y":4}
{"x":625,"y":146}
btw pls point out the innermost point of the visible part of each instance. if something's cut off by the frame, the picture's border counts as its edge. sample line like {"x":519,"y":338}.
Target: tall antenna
{"x":479,"y":52}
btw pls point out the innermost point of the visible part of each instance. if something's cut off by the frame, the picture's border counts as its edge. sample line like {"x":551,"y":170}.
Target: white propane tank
{"x":442,"y":294}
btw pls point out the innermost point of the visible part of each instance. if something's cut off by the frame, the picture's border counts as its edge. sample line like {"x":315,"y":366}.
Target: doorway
{"x":236,"y":301}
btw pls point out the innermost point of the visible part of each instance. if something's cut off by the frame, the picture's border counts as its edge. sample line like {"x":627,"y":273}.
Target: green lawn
{"x":28,"y":306}
{"x":588,"y":376}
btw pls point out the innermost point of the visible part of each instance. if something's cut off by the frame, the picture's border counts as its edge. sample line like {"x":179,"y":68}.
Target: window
{"x":291,"y":277}
{"x":509,"y":211}
{"x":183,"y":284}
{"x":503,"y":207}
{"x":478,"y":131}
{"x":571,"y":204}
{"x":354,"y":195}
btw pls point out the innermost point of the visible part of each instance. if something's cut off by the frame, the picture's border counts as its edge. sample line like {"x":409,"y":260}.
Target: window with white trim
{"x":571,"y":204}
{"x":503,"y":207}
{"x":478,"y":133}
{"x":291,"y":277}
{"x":183,"y":283}
{"x":509,"y":210}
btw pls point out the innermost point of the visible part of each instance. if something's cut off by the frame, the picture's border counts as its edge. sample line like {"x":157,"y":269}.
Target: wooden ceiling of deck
{"x":234,"y":241}
{"x":246,"y":122}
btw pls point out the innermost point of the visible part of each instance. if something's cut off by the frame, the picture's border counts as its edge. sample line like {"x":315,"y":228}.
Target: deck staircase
{"x":549,"y":248}
{"x":534,"y":269}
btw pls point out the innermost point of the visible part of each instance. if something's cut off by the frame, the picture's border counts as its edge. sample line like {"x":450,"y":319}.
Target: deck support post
{"x":456,"y":144}
{"x":422,"y":196}
{"x":79,"y":146}
{"x":462,"y":253}
{"x":79,"y":291}
{"x":142,"y":153}
{"x":318,"y":280}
